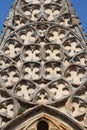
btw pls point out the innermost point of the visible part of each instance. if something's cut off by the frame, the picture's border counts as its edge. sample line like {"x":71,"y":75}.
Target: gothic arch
{"x":54,"y":119}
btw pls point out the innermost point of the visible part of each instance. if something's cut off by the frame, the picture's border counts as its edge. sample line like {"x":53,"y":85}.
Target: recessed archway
{"x":43,"y":118}
{"x":42,"y":125}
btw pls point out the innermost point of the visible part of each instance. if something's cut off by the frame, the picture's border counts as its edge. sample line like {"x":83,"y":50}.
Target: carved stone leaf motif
{"x":43,"y":61}
{"x":8,"y":107}
{"x":77,"y":105}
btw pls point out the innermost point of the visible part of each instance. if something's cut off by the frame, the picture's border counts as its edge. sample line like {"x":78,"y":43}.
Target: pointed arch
{"x":45,"y":115}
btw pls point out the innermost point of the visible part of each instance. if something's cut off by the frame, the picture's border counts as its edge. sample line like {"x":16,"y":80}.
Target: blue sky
{"x":79,"y":5}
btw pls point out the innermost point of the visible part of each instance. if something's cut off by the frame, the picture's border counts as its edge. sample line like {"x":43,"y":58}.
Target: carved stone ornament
{"x":43,"y":68}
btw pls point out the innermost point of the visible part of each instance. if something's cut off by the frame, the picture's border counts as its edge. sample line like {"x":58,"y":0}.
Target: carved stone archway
{"x":43,"y":116}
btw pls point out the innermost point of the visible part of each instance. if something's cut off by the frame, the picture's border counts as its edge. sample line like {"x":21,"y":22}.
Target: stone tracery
{"x":43,"y":61}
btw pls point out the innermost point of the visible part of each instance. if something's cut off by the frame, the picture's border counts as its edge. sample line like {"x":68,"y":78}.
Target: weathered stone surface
{"x":43,"y":68}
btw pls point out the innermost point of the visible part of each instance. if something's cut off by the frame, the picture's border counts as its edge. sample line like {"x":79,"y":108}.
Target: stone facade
{"x":43,"y":68}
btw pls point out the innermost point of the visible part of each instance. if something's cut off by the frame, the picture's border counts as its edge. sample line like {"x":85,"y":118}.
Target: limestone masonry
{"x":43,"y":68}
